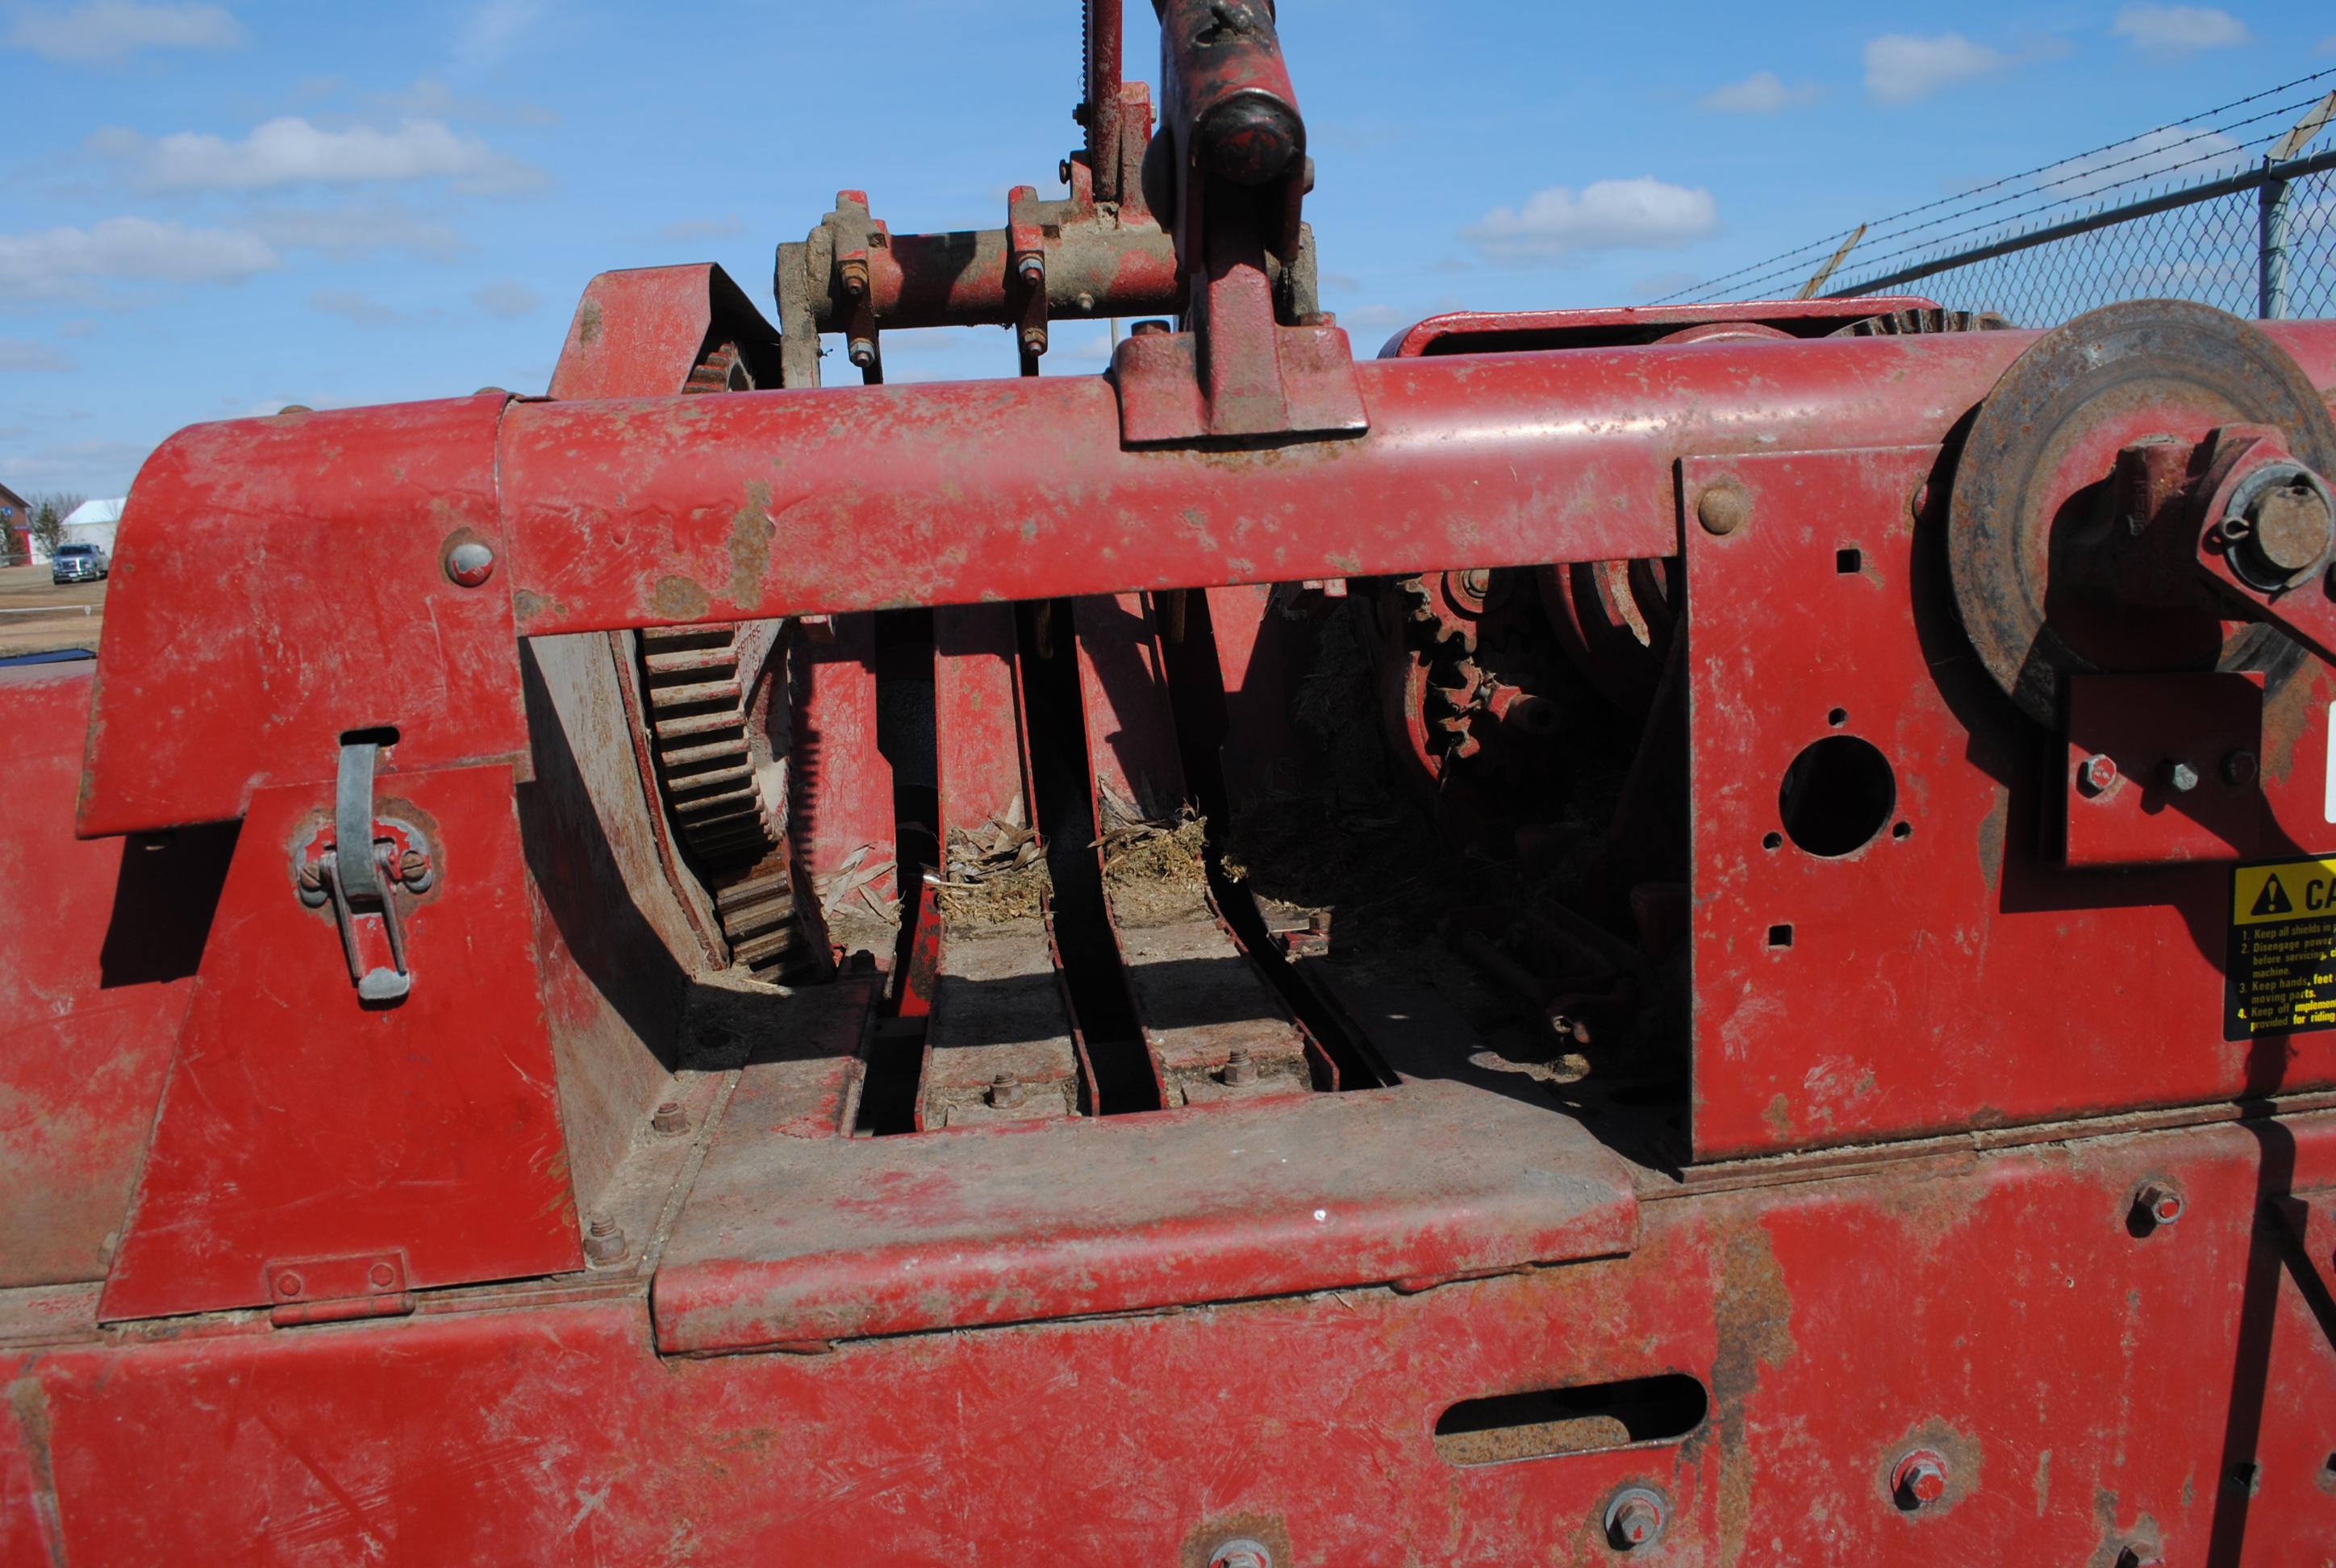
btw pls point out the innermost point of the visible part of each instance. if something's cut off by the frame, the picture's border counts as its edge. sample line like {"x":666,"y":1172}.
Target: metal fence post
{"x":2271,"y":247}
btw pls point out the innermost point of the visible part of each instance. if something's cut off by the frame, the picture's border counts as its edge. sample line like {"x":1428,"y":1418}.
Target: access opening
{"x":1837,"y":794}
{"x":1588,"y":1419}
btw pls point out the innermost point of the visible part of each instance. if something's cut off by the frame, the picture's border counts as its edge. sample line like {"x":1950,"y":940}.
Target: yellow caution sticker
{"x":2283,"y":949}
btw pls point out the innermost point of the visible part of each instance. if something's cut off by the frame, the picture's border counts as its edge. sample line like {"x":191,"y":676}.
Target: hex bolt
{"x":1239,"y":1069}
{"x":862,"y":352}
{"x":1006,"y":1091}
{"x":1723,"y":507}
{"x":1240,"y":1554}
{"x":1032,"y":270}
{"x":2096,"y":773}
{"x":2239,"y":769}
{"x":604,"y":1240}
{"x":1634,"y":1518}
{"x":470,"y":562}
{"x":2178,"y":775}
{"x":2289,"y":527}
{"x":1918,"y":1479}
{"x":381,"y":1275}
{"x":1034,"y":340}
{"x":669,"y":1119}
{"x":2158,"y":1203}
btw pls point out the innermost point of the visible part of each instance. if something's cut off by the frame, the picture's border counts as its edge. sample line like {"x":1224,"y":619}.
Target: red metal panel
{"x":100,"y":942}
{"x":2087,"y":1387}
{"x":338,"y":520}
{"x":1131,"y":745}
{"x":839,"y":784}
{"x":2127,"y":734}
{"x":299,"y":1123}
{"x":785,"y":1242}
{"x":641,"y":330}
{"x":1937,"y":975}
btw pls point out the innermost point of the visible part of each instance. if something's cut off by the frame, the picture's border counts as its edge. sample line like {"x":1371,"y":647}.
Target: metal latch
{"x":361,"y":870}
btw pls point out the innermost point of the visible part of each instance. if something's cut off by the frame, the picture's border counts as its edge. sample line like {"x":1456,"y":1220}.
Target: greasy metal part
{"x":2043,"y":442}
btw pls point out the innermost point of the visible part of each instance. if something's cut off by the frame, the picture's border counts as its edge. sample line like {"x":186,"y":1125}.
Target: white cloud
{"x":62,"y":262}
{"x":291,"y":151}
{"x":1607,"y":215}
{"x":94,"y":467}
{"x":103,"y":30}
{"x":1762,"y":93}
{"x":507,"y":299}
{"x":16,"y":355}
{"x":2179,"y":29}
{"x":359,"y":230}
{"x":487,"y":35}
{"x":1903,"y":69}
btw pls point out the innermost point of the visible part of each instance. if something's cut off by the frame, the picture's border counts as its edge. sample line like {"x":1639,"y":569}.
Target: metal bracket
{"x":337,"y":1290}
{"x":368,"y":878}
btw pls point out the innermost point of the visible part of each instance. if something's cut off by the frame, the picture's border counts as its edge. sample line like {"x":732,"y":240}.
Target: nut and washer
{"x":670,"y":1118}
{"x":2158,"y":1203}
{"x":1006,"y":1091}
{"x":1635,"y":1518}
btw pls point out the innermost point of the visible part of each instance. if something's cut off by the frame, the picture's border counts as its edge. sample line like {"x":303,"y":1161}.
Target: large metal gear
{"x":710,"y":692}
{"x":2036,"y":464}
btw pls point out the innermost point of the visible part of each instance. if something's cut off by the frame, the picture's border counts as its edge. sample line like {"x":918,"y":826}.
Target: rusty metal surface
{"x":101,"y":942}
{"x":2163,"y":768}
{"x":640,"y":332}
{"x":1834,"y":1323}
{"x":1946,"y":954}
{"x":2050,"y":431}
{"x":1496,"y":458}
{"x":1512,"y":331}
{"x":299,"y":1123}
{"x":786,"y":1241}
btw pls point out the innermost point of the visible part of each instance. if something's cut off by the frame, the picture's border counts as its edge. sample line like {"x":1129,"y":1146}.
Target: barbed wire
{"x":2215,"y":132}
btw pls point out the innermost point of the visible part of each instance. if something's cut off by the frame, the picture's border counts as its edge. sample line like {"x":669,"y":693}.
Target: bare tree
{"x":50,"y":508}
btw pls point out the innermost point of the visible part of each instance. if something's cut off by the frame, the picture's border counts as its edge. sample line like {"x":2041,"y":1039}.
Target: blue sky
{"x":215,"y":209}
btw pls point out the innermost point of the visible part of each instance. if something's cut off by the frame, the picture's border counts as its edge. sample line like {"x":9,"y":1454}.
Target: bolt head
{"x":381,"y":1275}
{"x":288,"y":1283}
{"x":2159,"y":1204}
{"x":1723,"y":507}
{"x":470,"y":562}
{"x":1006,"y":1091}
{"x":2239,"y":768}
{"x":2179,"y":776}
{"x":862,"y":352}
{"x":1635,"y":1518}
{"x":2096,"y":775}
{"x":2290,"y":524}
{"x":670,"y":1118}
{"x":1033,"y":341}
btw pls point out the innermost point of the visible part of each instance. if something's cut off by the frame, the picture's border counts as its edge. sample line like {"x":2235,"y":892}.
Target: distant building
{"x":93,"y":523}
{"x":16,"y":527}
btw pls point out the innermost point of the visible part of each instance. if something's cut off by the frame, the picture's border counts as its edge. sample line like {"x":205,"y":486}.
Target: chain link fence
{"x":2231,"y":208}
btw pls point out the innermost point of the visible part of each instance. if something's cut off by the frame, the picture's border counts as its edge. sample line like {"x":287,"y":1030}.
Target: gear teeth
{"x":701,"y":740}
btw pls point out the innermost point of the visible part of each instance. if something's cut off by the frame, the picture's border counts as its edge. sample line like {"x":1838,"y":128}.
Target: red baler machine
{"x":1694,"y":935}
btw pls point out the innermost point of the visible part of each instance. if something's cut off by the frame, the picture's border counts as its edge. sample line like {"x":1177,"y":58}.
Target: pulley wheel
{"x":2034,"y":474}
